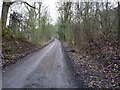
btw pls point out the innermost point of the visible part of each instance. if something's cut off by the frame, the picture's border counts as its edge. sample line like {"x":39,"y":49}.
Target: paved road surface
{"x":45,"y":68}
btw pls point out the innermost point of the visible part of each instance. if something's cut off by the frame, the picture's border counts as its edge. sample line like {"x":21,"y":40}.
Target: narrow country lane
{"x":46,"y":68}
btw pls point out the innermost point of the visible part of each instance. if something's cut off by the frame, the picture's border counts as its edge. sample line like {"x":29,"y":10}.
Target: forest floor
{"x":45,"y":68}
{"x":92,"y":71}
{"x":14,"y":49}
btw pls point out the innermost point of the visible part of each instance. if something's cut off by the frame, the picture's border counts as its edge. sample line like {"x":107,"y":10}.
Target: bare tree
{"x":5,"y":8}
{"x":118,"y":23}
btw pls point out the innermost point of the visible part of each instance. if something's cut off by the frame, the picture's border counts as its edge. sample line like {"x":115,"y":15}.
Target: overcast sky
{"x":51,"y":6}
{"x":0,"y":7}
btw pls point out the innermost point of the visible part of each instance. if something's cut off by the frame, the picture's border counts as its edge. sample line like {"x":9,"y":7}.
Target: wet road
{"x":46,"y":68}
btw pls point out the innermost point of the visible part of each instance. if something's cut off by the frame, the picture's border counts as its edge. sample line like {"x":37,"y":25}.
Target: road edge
{"x":71,"y":67}
{"x":22,"y":56}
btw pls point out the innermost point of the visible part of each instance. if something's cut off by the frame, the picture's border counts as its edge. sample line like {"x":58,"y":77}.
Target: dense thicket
{"x":94,"y":25}
{"x":32,"y":25}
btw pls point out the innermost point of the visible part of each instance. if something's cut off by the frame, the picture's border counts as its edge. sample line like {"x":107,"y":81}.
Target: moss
{"x":104,"y":84}
{"x":8,"y":49}
{"x":10,"y":57}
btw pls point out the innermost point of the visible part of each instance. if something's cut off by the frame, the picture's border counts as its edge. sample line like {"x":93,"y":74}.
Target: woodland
{"x":89,"y":32}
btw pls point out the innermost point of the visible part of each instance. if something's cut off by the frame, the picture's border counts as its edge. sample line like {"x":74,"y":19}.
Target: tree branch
{"x":29,"y":5}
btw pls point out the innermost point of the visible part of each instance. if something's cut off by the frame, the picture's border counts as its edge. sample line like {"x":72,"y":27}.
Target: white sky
{"x":0,"y":7}
{"x":51,"y":8}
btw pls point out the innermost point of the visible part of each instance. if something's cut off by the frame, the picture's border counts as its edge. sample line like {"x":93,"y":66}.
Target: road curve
{"x":46,"y":68}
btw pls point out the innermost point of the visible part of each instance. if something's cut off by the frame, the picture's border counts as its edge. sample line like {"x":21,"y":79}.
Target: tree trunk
{"x":5,"y":8}
{"x":118,"y":23}
{"x":39,"y":13}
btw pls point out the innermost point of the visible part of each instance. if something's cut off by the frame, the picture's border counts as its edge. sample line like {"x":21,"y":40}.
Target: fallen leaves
{"x":92,"y":71}
{"x":14,"y":48}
